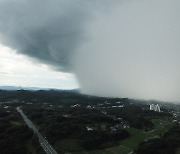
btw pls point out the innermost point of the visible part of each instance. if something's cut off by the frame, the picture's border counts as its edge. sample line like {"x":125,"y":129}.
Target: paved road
{"x":44,"y":143}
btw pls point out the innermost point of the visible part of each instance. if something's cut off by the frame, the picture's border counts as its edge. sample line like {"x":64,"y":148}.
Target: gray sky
{"x":125,"y":48}
{"x":19,"y":70}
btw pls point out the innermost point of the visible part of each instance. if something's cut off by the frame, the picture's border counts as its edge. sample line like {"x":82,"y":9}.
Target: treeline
{"x":42,"y":96}
{"x":169,"y":143}
{"x":65,"y":97}
{"x":15,"y":137}
{"x":136,"y":116}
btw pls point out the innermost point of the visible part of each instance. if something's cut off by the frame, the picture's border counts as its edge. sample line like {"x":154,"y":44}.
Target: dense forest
{"x":90,"y":128}
{"x":74,"y":123}
{"x":15,"y":136}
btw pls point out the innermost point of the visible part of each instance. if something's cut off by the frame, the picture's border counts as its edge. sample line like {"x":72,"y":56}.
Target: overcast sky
{"x":119,"y":48}
{"x":19,"y":70}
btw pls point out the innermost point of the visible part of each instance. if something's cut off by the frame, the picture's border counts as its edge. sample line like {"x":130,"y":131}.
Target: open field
{"x":137,"y":136}
{"x":71,"y":144}
{"x":113,"y":150}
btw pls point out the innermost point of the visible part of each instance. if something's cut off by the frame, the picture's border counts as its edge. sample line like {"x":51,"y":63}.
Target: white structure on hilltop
{"x":155,"y":107}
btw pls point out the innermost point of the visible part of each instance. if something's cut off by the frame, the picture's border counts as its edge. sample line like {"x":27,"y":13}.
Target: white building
{"x":89,"y":107}
{"x":155,"y":107}
{"x":75,"y":105}
{"x":89,"y":129}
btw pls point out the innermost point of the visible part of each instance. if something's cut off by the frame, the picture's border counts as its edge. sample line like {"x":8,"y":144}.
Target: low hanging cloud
{"x":115,"y":48}
{"x":49,"y":31}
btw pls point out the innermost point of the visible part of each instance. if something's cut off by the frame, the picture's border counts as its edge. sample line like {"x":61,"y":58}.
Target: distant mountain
{"x":14,"y":88}
{"x":19,"y":88}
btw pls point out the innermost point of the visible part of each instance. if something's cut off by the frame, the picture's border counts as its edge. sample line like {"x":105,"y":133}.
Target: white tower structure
{"x":155,"y":107}
{"x":151,"y":106}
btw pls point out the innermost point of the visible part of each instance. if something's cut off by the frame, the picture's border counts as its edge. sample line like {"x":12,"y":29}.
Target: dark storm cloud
{"x":49,"y":31}
{"x":133,"y":51}
{"x":125,"y":48}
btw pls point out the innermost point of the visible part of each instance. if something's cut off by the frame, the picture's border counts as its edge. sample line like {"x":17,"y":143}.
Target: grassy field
{"x":113,"y":150}
{"x":71,"y":145}
{"x":161,"y":126}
